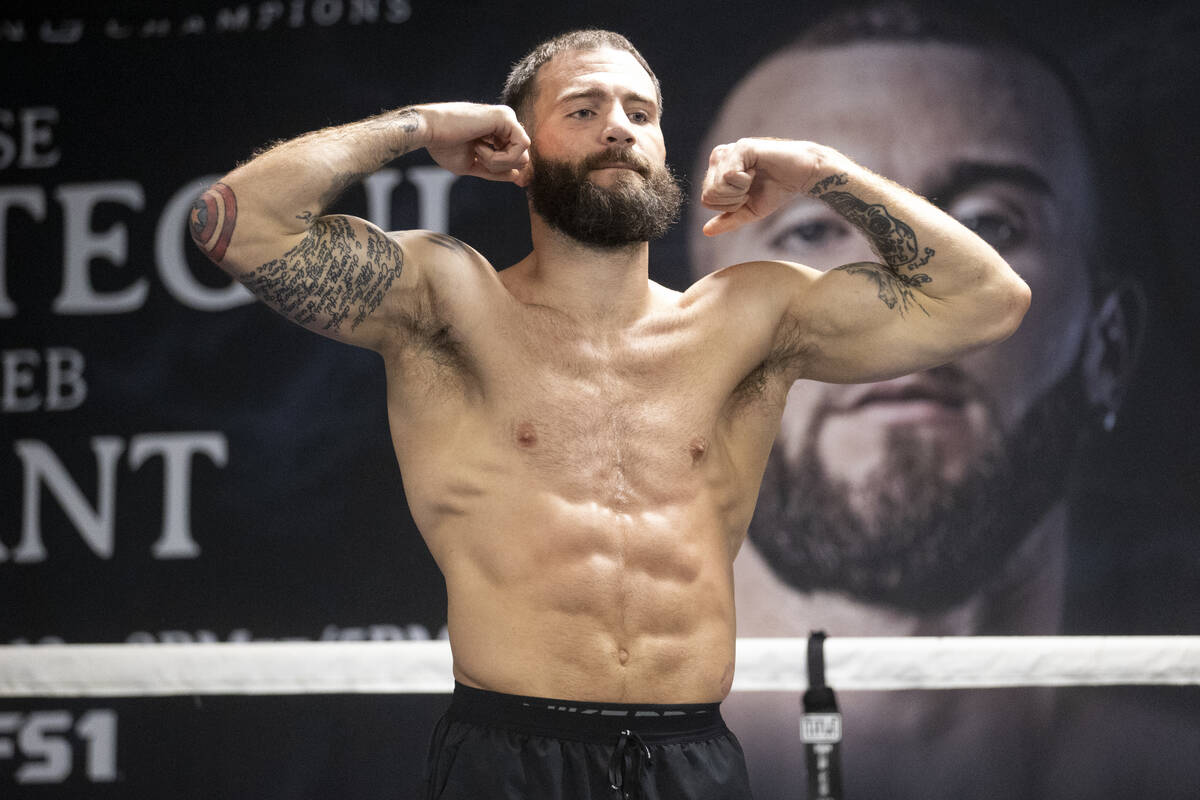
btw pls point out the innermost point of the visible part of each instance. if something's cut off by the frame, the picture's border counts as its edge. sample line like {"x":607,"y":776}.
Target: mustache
{"x":618,"y":156}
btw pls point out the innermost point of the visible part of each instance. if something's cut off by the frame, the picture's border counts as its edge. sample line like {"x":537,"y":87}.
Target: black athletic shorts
{"x":491,"y":746}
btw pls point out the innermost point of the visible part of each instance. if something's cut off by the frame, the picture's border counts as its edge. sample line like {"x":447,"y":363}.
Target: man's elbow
{"x":211,"y":222}
{"x":1010,"y":302}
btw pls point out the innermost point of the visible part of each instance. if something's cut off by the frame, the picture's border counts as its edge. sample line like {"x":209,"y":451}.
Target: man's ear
{"x":1110,"y":356}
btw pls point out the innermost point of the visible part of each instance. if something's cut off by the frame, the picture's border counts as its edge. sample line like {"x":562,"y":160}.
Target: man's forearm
{"x":282,"y":190}
{"x":317,"y":167}
{"x":923,"y":251}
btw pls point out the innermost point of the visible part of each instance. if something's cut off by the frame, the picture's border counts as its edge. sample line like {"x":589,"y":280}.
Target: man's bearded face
{"x":639,"y":206}
{"x":906,"y":534}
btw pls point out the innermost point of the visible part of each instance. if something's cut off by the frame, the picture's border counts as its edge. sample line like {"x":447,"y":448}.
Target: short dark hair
{"x":521,"y":86}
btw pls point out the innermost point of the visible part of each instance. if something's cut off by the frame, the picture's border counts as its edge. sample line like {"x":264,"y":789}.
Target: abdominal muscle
{"x":573,"y":599}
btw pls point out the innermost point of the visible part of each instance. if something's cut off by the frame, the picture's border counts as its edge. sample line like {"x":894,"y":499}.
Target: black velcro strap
{"x":821,"y":728}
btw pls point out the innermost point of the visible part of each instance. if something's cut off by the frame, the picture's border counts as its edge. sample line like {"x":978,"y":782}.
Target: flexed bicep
{"x":334,"y":280}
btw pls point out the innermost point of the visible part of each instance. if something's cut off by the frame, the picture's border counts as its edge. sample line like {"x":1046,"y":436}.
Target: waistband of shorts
{"x":587,"y":721}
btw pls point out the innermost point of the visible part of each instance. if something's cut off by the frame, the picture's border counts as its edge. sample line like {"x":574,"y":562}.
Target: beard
{"x":632,"y":210}
{"x":920,"y":542}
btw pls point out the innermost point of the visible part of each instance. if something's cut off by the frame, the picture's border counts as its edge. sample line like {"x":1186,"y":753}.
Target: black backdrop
{"x":178,"y":464}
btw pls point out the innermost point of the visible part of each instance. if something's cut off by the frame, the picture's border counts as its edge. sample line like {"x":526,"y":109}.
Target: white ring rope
{"x":280,"y":668}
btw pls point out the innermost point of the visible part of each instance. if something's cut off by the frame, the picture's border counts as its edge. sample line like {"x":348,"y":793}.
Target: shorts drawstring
{"x":624,"y":760}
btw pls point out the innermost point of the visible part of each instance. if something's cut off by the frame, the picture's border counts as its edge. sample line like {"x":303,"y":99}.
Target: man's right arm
{"x":339,"y":275}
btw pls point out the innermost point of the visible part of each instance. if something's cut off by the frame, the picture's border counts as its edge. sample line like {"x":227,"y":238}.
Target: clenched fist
{"x":751,"y":178}
{"x":473,"y":139}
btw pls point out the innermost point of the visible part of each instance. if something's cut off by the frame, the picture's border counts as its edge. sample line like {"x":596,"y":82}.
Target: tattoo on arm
{"x":212,"y":219}
{"x":824,"y":184}
{"x":893,"y":239}
{"x":333,"y":275}
{"x":409,"y":119}
{"x":894,"y":288}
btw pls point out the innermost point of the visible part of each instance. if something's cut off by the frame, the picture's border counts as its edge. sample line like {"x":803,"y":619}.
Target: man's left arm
{"x":936,"y":292}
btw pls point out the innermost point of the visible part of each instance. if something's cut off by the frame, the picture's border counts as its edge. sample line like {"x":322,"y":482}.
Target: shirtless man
{"x":582,"y":448}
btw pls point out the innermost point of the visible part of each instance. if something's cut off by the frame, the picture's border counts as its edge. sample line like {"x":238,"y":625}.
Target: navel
{"x":526,"y":434}
{"x":623,"y":656}
{"x":697,"y":448}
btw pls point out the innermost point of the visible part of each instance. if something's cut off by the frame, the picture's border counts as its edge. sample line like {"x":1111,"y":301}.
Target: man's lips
{"x":621,"y":165}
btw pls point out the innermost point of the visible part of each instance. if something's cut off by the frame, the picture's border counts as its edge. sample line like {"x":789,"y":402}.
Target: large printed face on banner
{"x":930,"y":504}
{"x":909,"y":493}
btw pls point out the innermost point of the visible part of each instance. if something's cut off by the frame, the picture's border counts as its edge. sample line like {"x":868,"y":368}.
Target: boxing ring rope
{"x":776,"y":664}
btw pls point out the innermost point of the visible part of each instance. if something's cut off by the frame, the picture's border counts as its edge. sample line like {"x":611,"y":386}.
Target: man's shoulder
{"x":768,"y":278}
{"x":436,"y":246}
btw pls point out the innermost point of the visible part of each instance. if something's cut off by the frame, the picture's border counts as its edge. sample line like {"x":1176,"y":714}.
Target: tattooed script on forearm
{"x":333,"y":275}
{"x":892,"y":239}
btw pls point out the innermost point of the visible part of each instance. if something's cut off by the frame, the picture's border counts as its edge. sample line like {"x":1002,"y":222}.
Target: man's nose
{"x":619,"y":130}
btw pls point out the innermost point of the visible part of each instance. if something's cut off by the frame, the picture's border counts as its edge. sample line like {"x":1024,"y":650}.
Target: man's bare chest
{"x":628,"y":421}
{"x":638,"y":417}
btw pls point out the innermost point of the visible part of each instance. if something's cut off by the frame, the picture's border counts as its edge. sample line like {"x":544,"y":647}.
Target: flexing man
{"x":581,"y":448}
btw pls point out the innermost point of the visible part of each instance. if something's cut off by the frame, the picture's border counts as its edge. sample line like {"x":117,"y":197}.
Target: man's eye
{"x":807,"y":235}
{"x":639,"y":116}
{"x":583,"y":113}
{"x":998,"y":230}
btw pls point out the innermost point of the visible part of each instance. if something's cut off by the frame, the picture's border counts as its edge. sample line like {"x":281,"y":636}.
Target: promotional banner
{"x":180,"y":464}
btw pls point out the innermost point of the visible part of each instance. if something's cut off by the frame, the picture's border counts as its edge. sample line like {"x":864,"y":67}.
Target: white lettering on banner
{"x":95,"y":524}
{"x":69,"y":32}
{"x":326,"y":12}
{"x":433,"y":196}
{"x":177,"y":450}
{"x":225,"y":20}
{"x":82,"y":245}
{"x":41,"y":743}
{"x":33,"y":130}
{"x":379,"y":187}
{"x":268,"y":14}
{"x":65,"y":386}
{"x":233,"y":19}
{"x":155,"y":28}
{"x":84,"y":248}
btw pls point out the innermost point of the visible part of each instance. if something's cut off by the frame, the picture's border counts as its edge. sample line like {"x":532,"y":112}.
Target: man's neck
{"x":606,"y":287}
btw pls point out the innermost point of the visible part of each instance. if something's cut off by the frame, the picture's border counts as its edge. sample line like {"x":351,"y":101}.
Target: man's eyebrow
{"x":962,"y":176}
{"x":597,"y":93}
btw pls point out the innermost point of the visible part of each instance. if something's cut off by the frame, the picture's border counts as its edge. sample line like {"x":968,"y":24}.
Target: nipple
{"x":526,"y":435}
{"x":697,"y":448}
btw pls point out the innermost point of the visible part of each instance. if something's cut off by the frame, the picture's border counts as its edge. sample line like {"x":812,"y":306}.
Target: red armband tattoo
{"x":212,"y":219}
